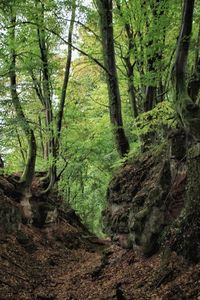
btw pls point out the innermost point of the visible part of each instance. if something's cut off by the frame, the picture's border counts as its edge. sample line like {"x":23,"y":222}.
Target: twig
{"x":15,"y":275}
{"x":12,"y":262}
{"x":6,"y":283}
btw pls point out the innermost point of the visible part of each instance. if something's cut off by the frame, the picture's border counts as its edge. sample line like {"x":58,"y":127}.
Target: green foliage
{"x":87,"y":147}
{"x":87,"y":158}
{"x":159,"y":120}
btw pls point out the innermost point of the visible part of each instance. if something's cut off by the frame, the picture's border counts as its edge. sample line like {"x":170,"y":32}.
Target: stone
{"x":140,"y":201}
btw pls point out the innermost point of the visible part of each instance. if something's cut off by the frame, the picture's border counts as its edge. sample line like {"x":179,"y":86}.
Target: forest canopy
{"x":86,"y":85}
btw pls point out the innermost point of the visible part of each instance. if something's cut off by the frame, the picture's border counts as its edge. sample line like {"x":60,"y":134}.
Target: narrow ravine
{"x":61,"y":261}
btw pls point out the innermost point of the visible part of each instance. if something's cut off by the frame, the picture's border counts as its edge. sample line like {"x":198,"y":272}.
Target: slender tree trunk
{"x":106,"y":26}
{"x":67,"y":71}
{"x":46,"y":94}
{"x":21,"y":148}
{"x":65,"y":84}
{"x":37,"y":84}
{"x":130,"y":70}
{"x":41,"y":138}
{"x":129,"y":65}
{"x":131,"y":89}
{"x":150,"y":95}
{"x":151,"y":90}
{"x":29,"y":170}
{"x":27,"y":176}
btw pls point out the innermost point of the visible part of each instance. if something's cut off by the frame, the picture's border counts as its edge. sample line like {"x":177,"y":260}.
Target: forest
{"x":100,"y":138}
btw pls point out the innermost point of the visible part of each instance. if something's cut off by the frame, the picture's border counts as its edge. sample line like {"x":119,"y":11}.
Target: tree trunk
{"x":106,"y":26}
{"x":23,"y":155}
{"x":187,"y":240}
{"x":65,"y":85}
{"x":129,"y":65}
{"x":152,"y":60}
{"x":29,"y":170}
{"x":184,"y":105}
{"x":194,"y":83}
{"x":41,"y":138}
{"x":67,"y":71}
{"x":27,"y":176}
{"x":131,"y":89}
{"x":150,"y":95}
{"x":46,"y":94}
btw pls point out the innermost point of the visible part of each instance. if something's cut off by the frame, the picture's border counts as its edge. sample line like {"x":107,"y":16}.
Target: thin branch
{"x":61,"y":172}
{"x":6,"y":283}
{"x":91,"y":98}
{"x":67,"y":43}
{"x":81,"y":24}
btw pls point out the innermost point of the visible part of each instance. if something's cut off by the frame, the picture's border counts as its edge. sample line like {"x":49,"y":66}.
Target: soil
{"x":64,"y":261}
{"x":60,"y":262}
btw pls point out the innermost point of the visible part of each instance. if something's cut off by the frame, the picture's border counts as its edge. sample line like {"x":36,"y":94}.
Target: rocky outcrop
{"x":143,"y":200}
{"x":38,"y":209}
{"x":10,"y":214}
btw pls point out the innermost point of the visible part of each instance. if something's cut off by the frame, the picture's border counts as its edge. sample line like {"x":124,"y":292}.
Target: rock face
{"x":10,"y":215}
{"x":37,"y":209}
{"x":143,"y":199}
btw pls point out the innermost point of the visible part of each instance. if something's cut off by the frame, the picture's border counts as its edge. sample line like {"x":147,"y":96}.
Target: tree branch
{"x":95,"y":60}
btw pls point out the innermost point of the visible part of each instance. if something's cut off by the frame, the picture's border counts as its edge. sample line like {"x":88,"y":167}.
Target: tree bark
{"x":67,"y":71}
{"x":46,"y":96}
{"x":23,"y":155}
{"x":194,"y":83}
{"x":44,"y":92}
{"x":187,"y":110}
{"x":28,"y":173}
{"x":129,"y":65}
{"x":106,"y":26}
{"x":151,"y":89}
{"x":44,"y":155}
{"x":187,"y":240}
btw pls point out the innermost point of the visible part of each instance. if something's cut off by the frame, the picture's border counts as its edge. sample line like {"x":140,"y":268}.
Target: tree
{"x":188,"y":110}
{"x":27,"y":176}
{"x":128,"y":62}
{"x":194,"y":82}
{"x":65,"y":81}
{"x":46,"y":92}
{"x":106,"y":27}
{"x":155,"y":57}
{"x":43,"y":88}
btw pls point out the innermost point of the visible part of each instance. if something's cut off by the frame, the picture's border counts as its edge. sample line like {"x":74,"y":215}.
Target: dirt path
{"x":60,"y":263}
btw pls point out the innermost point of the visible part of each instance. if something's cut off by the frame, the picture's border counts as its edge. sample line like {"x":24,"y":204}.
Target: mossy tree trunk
{"x":190,"y":225}
{"x":187,"y":110}
{"x":187,"y":240}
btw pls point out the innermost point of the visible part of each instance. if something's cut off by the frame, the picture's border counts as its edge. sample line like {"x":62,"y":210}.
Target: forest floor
{"x":61,"y":261}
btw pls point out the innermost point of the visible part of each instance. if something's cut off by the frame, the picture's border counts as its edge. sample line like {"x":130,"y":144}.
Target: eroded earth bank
{"x":56,"y":257}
